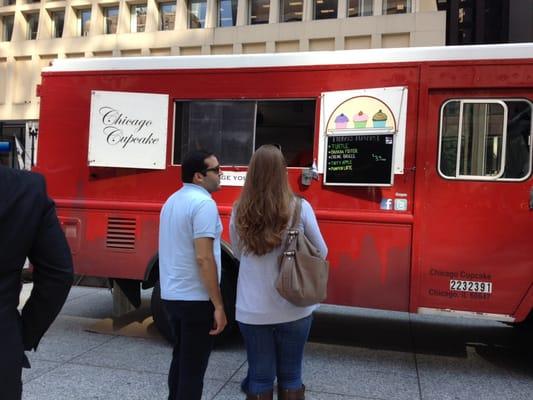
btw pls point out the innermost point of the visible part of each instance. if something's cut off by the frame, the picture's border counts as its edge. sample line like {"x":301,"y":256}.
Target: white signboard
{"x":128,"y":130}
{"x":365,"y":112}
{"x":232,"y":178}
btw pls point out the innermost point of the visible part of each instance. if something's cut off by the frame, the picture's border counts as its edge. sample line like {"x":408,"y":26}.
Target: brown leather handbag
{"x":303,"y":272}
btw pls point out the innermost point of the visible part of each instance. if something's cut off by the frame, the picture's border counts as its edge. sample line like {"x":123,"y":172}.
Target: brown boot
{"x":263,"y":396}
{"x":291,"y":394}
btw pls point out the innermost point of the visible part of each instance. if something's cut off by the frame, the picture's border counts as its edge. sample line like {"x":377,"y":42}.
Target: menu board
{"x":359,"y":160}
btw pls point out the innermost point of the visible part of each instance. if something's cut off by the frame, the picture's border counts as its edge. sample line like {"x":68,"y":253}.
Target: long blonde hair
{"x":263,"y":209}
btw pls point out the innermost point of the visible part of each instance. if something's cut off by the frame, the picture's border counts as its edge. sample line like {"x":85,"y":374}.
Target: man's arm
{"x":52,"y":274}
{"x":208,"y":273}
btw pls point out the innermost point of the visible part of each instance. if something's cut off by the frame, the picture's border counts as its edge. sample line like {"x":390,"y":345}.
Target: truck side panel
{"x":370,"y":248}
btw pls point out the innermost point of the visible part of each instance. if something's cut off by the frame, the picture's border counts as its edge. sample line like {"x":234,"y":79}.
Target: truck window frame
{"x":312,"y":123}
{"x":500,"y":176}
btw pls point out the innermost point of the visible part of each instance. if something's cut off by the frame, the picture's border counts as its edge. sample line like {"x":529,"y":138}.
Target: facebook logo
{"x":386,"y":204}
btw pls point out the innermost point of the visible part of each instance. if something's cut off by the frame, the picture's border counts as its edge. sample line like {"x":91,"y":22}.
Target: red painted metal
{"x":379,"y":259}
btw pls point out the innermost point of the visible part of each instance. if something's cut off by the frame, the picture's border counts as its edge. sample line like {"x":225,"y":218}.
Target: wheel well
{"x":529,"y":318}
{"x":228,"y":259}
{"x":229,"y":264}
{"x":151,"y":274}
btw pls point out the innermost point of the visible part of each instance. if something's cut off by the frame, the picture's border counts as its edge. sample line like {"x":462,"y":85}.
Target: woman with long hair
{"x":274,"y":330}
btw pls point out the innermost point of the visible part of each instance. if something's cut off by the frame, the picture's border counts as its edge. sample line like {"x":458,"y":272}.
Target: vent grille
{"x":121,"y":233}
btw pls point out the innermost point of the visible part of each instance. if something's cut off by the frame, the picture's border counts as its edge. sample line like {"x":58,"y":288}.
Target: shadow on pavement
{"x":505,"y":346}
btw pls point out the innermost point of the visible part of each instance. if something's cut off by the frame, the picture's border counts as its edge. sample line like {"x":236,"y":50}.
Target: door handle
{"x":531,"y":199}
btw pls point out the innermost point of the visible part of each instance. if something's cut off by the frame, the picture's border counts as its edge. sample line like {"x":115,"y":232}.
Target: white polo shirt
{"x":190,"y":213}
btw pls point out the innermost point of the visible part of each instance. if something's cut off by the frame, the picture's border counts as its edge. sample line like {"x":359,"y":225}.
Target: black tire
{"x":526,"y":325}
{"x":159,"y":314}
{"x":228,"y":287}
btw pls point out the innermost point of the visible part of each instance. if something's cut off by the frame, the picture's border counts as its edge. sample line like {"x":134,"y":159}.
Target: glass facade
{"x":227,"y":12}
{"x":7,"y":27}
{"x":84,"y":21}
{"x":396,"y":6}
{"x":32,"y":26}
{"x":325,"y":9}
{"x":360,"y":8}
{"x":167,"y":16}
{"x":110,"y":19}
{"x":291,"y":10}
{"x":58,"y":21}
{"x":197,"y":10}
{"x":259,"y":11}
{"x":138,"y":17}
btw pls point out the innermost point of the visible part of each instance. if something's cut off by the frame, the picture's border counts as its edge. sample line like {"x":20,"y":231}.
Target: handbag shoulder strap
{"x":297,"y":213}
{"x":294,"y":221}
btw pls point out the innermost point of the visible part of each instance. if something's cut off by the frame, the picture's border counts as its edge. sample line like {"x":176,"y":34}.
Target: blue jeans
{"x":274,"y":351}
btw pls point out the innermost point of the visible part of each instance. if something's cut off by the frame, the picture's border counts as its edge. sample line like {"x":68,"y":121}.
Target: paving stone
{"x":155,"y":356}
{"x":67,"y":339}
{"x":79,"y":382}
{"x":472,"y":377}
{"x":136,"y":354}
{"x":231,"y":391}
{"x":354,"y":372}
{"x":225,"y":362}
{"x":96,"y":304}
{"x":354,"y":354}
{"x":38,"y":368}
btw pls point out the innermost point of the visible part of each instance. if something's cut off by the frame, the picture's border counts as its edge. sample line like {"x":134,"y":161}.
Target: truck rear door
{"x":474,"y":221}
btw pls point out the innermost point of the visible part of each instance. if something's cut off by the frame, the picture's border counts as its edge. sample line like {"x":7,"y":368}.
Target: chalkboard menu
{"x":359,"y":160}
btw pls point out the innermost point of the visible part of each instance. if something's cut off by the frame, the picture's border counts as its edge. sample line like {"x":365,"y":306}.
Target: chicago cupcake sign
{"x":128,"y":130}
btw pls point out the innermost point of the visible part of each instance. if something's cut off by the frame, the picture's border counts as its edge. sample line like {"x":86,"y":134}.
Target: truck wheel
{"x":159,"y":314}
{"x":526,"y":325}
{"x":228,"y":288}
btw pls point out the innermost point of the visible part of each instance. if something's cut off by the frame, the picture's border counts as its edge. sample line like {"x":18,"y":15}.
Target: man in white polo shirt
{"x":189,"y":268}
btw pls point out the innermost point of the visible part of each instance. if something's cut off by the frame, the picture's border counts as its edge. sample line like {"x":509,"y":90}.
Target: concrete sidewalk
{"x":353,"y":355}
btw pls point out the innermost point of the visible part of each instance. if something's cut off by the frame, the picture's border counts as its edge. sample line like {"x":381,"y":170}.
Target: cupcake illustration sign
{"x":364,"y":113}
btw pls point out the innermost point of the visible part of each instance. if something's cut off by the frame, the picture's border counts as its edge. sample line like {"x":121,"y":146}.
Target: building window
{"x":259,"y":11}
{"x":291,"y":10}
{"x":234,"y":129}
{"x":227,"y":12}
{"x":485,"y":139}
{"x":32,"y":26}
{"x":396,"y":6}
{"x":84,"y":21}
{"x":110,"y":19}
{"x":325,"y":9}
{"x":478,"y":22}
{"x":360,"y":8}
{"x":7,"y":27}
{"x":197,"y":10}
{"x":58,"y":21}
{"x":167,"y":15}
{"x":138,"y":17}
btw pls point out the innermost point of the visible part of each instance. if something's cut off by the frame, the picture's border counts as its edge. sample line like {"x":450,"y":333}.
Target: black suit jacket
{"x":28,"y":228}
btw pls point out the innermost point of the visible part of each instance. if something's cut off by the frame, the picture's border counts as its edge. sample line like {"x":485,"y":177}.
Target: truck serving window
{"x":234,"y":129}
{"x":485,"y":139}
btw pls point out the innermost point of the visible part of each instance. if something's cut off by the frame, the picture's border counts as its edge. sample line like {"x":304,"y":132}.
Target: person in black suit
{"x":28,"y":228}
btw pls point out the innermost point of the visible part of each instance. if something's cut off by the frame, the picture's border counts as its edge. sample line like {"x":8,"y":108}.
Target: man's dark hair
{"x":194,"y":161}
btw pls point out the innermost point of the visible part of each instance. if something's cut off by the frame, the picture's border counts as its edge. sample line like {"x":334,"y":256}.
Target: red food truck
{"x":417,"y":162}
